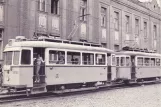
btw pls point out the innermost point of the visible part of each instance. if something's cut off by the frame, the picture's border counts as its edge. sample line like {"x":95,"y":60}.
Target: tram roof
{"x":138,"y":53}
{"x":45,"y":44}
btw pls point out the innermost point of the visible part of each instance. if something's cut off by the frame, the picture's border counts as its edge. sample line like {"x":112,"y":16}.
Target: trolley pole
{"x":76,"y":26}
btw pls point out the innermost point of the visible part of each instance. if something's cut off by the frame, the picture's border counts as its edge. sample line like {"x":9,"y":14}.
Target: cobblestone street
{"x":144,"y":96}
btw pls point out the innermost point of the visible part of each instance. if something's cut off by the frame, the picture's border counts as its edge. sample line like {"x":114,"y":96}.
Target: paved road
{"x":147,"y":96}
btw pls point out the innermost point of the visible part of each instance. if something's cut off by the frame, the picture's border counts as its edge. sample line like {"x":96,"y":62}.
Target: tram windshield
{"x":16,"y":56}
{"x":8,"y":58}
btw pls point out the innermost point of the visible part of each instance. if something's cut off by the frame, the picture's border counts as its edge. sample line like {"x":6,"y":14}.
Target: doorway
{"x":39,"y":65}
{"x":133,"y":67}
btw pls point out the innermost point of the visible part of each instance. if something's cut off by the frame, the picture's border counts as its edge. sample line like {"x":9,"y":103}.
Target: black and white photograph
{"x":80,"y":53}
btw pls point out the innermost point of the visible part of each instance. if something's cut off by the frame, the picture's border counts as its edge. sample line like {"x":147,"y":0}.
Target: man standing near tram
{"x":38,"y":63}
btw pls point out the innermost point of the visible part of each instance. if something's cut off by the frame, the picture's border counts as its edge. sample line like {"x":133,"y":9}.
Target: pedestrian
{"x":61,"y":59}
{"x":39,"y":61}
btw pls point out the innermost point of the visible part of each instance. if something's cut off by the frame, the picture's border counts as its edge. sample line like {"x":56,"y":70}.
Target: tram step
{"x":36,"y":90}
{"x":75,"y":90}
{"x":40,"y":85}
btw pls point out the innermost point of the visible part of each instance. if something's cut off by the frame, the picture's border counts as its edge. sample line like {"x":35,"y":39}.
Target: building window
{"x":155,"y":32}
{"x":145,"y":31}
{"x":83,"y":10}
{"x":1,"y":13}
{"x":127,"y":23}
{"x":55,"y":6}
{"x":155,"y":36}
{"x":42,"y":5}
{"x":116,"y":20}
{"x":136,"y":26}
{"x":103,"y":17}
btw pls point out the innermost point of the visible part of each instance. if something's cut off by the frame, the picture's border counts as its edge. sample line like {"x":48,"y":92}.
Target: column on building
{"x":116,"y":30}
{"x":137,"y":32}
{"x":145,"y":34}
{"x":1,"y":29}
{"x":127,"y":30}
{"x":104,"y":26}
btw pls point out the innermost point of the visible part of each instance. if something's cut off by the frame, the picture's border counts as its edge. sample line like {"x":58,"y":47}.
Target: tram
{"x":66,"y":65}
{"x":138,"y":67}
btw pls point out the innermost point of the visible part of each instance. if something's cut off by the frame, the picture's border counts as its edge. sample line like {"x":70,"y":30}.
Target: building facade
{"x":112,"y":23}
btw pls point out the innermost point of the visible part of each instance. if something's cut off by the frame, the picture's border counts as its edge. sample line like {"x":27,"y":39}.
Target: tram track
{"x":23,"y":97}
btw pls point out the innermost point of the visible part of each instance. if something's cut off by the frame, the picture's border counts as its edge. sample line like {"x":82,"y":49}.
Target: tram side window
{"x":56,"y":57}
{"x":8,"y":58}
{"x":16,"y":57}
{"x":87,"y":59}
{"x":113,"y":60}
{"x":140,"y":61}
{"x":117,"y":61}
{"x":122,"y":61}
{"x":53,"y":57}
{"x":100,"y":59}
{"x":157,"y":62}
{"x":128,"y":61}
{"x":26,"y":57}
{"x":152,"y":61}
{"x":147,"y":61}
{"x":73,"y":57}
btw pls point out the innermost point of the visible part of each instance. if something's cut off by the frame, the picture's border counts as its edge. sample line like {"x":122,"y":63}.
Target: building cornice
{"x":149,"y":13}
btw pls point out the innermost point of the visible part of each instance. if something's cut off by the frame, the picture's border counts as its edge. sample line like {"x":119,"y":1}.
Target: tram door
{"x":39,"y":65}
{"x":133,"y":70}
